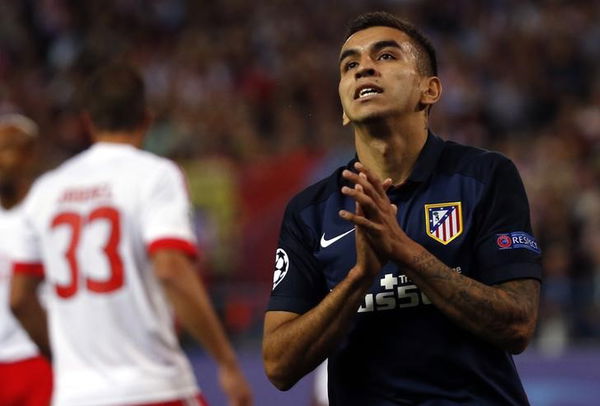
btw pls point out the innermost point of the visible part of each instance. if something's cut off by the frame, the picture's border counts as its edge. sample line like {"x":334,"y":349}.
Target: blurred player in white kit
{"x":25,"y":375}
{"x":112,"y":229}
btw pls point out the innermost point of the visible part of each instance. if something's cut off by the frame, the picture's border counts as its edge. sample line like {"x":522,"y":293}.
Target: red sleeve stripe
{"x":36,"y":269}
{"x":173,"y":244}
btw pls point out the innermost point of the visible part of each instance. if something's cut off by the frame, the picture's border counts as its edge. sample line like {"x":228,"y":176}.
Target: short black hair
{"x":426,"y":56}
{"x":114,"y":97}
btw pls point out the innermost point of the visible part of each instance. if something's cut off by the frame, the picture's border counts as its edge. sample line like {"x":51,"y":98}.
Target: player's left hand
{"x":378,"y":217}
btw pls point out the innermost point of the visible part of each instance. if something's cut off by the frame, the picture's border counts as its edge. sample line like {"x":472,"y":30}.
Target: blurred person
{"x":110,"y":231}
{"x":25,"y":374}
{"x":412,"y":269}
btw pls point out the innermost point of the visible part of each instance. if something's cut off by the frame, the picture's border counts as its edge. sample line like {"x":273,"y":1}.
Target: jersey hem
{"x":21,"y":358}
{"x":288,"y":304}
{"x":521,"y":270}
{"x":140,"y":399}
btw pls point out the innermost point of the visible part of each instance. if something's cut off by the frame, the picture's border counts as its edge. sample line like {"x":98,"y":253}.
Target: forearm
{"x":193,"y":309}
{"x":26,"y":307}
{"x":295,"y":347}
{"x":191,"y":304}
{"x":32,"y":317}
{"x":503,"y":315}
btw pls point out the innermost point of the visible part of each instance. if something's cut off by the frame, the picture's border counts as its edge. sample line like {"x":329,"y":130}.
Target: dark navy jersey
{"x":465,"y":205}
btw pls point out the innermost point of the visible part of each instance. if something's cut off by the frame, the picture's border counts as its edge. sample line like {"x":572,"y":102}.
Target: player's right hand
{"x":235,"y":386}
{"x":379,"y":216}
{"x":369,"y":259}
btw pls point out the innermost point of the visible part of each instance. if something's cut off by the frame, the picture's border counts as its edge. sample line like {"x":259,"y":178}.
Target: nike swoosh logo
{"x":326,"y":243}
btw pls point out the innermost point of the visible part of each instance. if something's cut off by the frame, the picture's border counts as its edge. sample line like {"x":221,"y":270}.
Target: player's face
{"x":378,"y":74}
{"x":15,"y":154}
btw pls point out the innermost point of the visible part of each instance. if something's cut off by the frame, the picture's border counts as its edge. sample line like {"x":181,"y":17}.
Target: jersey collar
{"x":428,"y":158}
{"x":112,"y":145}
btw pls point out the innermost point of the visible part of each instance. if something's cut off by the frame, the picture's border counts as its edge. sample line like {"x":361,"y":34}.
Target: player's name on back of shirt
{"x":85,"y":193}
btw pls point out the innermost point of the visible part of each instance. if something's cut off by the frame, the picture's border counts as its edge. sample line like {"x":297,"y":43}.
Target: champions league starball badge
{"x":282,"y":264}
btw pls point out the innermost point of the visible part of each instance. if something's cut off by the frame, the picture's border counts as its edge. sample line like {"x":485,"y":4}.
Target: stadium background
{"x":245,"y":98}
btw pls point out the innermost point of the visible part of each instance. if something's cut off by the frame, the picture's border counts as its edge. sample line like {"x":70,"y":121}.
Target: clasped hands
{"x":379,"y":237}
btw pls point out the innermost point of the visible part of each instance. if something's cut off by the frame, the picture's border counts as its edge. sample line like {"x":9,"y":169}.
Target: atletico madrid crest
{"x":443,"y":221}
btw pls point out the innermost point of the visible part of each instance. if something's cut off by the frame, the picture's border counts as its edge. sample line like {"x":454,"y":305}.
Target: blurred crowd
{"x":244,"y":95}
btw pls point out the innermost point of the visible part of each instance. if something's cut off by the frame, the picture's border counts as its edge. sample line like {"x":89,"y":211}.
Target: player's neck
{"x":133,"y":138}
{"x":390,"y":149}
{"x":11,"y":193}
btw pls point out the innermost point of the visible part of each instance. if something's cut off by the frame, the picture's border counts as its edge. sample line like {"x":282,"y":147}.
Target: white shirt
{"x":15,"y":344}
{"x":92,"y":222}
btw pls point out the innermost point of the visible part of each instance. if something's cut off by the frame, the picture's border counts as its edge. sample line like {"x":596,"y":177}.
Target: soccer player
{"x":110,"y":231}
{"x":413,"y":268}
{"x":25,"y":375}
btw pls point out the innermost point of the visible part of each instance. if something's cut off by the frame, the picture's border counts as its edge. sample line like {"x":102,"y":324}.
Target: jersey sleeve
{"x":298,"y":283}
{"x":166,"y":214}
{"x":506,"y":248}
{"x":23,"y":246}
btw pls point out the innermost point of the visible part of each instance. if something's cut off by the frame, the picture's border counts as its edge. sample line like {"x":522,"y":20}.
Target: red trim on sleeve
{"x":173,"y":244}
{"x":32,"y":268}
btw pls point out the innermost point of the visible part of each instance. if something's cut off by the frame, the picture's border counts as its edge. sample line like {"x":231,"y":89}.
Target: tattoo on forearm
{"x":427,"y":263}
{"x":489,"y":311}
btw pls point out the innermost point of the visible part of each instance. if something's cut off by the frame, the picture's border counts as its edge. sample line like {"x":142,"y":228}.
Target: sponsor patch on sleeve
{"x":517,"y":239}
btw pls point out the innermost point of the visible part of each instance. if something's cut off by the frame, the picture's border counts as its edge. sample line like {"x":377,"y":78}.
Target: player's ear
{"x":431,"y":90}
{"x":345,"y":119}
{"x":88,"y":124}
{"x":148,"y":118}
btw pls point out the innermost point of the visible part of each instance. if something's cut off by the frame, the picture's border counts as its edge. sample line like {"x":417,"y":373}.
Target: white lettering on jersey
{"x":394,"y":296}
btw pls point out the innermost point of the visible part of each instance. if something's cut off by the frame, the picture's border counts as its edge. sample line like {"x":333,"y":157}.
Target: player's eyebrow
{"x":379,"y":45}
{"x":390,"y":43}
{"x":347,"y":53}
